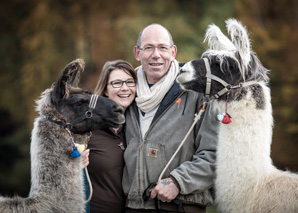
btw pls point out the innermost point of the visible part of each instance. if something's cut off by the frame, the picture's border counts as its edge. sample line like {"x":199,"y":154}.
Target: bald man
{"x":156,"y":123}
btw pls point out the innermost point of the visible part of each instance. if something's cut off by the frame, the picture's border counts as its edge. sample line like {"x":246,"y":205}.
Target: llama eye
{"x":80,"y":103}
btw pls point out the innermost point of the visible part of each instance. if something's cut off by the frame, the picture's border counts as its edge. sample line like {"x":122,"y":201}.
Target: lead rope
{"x":176,"y":200}
{"x":197,"y":118}
{"x":92,"y":105}
{"x":90,"y":186}
{"x":75,"y":154}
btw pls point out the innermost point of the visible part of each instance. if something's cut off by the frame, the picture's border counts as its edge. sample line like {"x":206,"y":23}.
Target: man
{"x":155,"y":126}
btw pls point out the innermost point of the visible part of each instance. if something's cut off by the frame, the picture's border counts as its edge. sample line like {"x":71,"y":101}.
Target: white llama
{"x":230,"y":72}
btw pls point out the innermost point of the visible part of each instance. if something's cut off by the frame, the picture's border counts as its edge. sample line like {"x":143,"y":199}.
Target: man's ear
{"x":136,"y":52}
{"x":174,"y":52}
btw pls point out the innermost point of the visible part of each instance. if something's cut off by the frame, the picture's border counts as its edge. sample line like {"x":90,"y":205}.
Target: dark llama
{"x":67,"y":114}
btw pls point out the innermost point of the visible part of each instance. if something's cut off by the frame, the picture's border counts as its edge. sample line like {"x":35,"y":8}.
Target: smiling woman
{"x":117,"y":81}
{"x":121,"y":87}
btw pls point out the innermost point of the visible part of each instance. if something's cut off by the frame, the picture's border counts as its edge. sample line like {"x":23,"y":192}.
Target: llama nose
{"x":118,"y":109}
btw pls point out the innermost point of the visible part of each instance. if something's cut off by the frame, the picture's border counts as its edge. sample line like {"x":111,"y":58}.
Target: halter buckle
{"x":88,"y":114}
{"x":229,"y":87}
{"x":68,"y":126}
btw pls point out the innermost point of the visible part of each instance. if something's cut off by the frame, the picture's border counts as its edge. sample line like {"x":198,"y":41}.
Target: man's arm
{"x":199,"y":173}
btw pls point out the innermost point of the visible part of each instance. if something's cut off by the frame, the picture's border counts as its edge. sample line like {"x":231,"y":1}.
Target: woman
{"x":117,"y":81}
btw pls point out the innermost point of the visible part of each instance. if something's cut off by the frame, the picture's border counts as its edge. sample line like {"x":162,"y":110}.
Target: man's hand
{"x":85,"y":157}
{"x":165,"y":190}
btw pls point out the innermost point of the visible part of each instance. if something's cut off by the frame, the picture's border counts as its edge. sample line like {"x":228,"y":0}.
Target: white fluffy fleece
{"x":246,"y":179}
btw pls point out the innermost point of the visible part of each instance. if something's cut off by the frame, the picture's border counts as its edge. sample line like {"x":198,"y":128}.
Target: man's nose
{"x":155,"y":53}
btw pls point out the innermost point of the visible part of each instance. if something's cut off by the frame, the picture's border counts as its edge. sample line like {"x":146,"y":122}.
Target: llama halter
{"x":69,"y":126}
{"x":224,"y":118}
{"x":88,"y":114}
{"x":227,"y":87}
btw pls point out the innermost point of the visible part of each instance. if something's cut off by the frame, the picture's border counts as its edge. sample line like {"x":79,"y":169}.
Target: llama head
{"x":232,"y":62}
{"x":66,"y":102}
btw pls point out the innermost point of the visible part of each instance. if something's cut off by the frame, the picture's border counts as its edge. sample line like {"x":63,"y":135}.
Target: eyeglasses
{"x":119,"y":83}
{"x":160,"y":48}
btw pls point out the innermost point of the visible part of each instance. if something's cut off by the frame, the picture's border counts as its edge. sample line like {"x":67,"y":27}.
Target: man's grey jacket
{"x":145,"y":158}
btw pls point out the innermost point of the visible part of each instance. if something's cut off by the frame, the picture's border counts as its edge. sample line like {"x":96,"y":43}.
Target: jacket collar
{"x":169,"y":98}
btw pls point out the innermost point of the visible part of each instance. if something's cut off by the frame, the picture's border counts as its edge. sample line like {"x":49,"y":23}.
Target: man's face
{"x":155,"y":53}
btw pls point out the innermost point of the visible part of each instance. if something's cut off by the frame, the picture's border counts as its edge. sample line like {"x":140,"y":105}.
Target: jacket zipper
{"x":141,"y":152}
{"x":140,"y":171}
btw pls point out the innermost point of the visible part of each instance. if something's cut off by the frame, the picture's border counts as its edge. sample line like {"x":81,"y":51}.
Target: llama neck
{"x":244,"y":144}
{"x":49,"y":145}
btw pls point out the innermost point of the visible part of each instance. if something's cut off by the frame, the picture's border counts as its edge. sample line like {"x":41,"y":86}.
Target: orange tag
{"x":152,"y":152}
{"x":178,"y":101}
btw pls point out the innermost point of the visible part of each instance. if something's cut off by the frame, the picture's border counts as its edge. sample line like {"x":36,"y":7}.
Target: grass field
{"x":212,"y":209}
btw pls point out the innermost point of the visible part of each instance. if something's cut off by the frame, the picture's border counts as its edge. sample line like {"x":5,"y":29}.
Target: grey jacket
{"x":194,"y":165}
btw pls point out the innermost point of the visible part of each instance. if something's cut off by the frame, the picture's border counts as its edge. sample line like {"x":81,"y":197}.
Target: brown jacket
{"x":105,"y":170}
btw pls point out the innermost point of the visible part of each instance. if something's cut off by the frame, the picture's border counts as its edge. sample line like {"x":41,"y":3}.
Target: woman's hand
{"x":85,"y":156}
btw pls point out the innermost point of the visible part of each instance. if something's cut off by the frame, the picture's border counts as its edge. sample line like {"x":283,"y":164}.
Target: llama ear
{"x":217,"y":40}
{"x":240,"y":39}
{"x":69,"y":77}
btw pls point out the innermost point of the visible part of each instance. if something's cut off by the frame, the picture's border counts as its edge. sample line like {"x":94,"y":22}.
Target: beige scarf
{"x":149,"y":98}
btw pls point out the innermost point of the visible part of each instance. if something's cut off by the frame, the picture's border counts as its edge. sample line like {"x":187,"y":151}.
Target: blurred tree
{"x":39,"y":37}
{"x":274,"y":35}
{"x":14,"y":131}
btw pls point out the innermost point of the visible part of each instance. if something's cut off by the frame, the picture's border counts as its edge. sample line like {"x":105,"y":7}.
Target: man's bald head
{"x":154,"y":26}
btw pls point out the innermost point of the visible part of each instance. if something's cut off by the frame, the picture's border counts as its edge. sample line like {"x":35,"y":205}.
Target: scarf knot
{"x":149,"y":98}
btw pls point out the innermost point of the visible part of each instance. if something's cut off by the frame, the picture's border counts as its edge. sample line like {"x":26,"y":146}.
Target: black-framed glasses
{"x":119,"y":83}
{"x":161,"y":48}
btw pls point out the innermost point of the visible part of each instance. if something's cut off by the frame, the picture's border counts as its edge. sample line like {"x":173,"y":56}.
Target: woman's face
{"x":123,"y":95}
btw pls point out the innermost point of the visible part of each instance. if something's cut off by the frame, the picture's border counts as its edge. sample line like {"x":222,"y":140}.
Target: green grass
{"x":212,"y":209}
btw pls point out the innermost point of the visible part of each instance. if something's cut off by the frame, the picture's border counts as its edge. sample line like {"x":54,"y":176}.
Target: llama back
{"x":36,"y":205}
{"x":278,"y":192}
{"x":21,"y":205}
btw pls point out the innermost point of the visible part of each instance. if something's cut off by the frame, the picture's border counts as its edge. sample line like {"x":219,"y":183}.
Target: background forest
{"x":39,"y":37}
